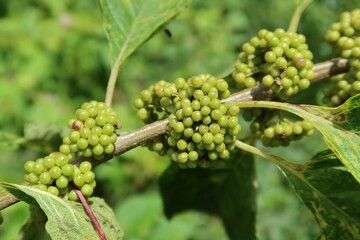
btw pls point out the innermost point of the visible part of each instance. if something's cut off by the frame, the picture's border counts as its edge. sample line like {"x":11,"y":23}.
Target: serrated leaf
{"x":128,"y":24}
{"x":339,"y":127}
{"x":331,"y":193}
{"x":227,"y":192}
{"x":66,"y":219}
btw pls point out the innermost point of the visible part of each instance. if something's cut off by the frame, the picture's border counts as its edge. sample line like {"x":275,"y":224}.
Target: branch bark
{"x":129,"y":140}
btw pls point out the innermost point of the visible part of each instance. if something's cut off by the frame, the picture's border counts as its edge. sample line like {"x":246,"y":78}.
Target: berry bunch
{"x":53,"y":174}
{"x":345,"y":38}
{"x":341,"y":87}
{"x":157,"y":99}
{"x":201,"y":127}
{"x":344,"y":35}
{"x":279,"y":60}
{"x":281,"y":133}
{"x":93,"y":132}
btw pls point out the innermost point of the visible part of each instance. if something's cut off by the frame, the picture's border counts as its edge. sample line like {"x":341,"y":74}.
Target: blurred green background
{"x":54,"y":55}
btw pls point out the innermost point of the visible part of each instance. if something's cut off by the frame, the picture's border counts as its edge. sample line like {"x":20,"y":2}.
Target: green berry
{"x":82,"y":143}
{"x":90,"y":123}
{"x":74,"y":136}
{"x":38,"y":168}
{"x":269,"y":132}
{"x":73,"y":196}
{"x":62,"y":182}
{"x":49,"y":161}
{"x":113,"y":138}
{"x":29,"y":166}
{"x":104,"y":140}
{"x":79,"y":180}
{"x":196,"y":116}
{"x":297,"y":129}
{"x":55,"y":172}
{"x":100,"y":120}
{"x":270,"y":57}
{"x":96,"y":130}
{"x":53,"y":190}
{"x":281,"y":63}
{"x":108,"y":129}
{"x":216,"y":114}
{"x":182,"y":157}
{"x":109,"y":149}
{"x":233,"y":110}
{"x":307,"y":126}
{"x":181,"y":144}
{"x":208,"y":138}
{"x":61,"y":159}
{"x":87,"y":190}
{"x":139,"y":103}
{"x":85,"y":132}
{"x":197,"y":137}
{"x":85,"y":166}
{"x":93,"y":140}
{"x":64,"y":149}
{"x":82,"y":114}
{"x":32,"y":178}
{"x":142,"y":114}
{"x":67,"y":170}
{"x":193,"y":156}
{"x":45,"y":178}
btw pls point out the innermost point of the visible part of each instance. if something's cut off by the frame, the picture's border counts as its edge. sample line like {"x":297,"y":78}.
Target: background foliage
{"x":54,"y":55}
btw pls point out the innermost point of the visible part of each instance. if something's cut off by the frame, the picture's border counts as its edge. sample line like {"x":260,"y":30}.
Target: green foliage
{"x":34,"y":228}
{"x":66,"y":219}
{"x":129,"y":24}
{"x":228,"y":192}
{"x":142,"y":217}
{"x":54,"y":56}
{"x":335,"y":211}
{"x":337,"y":126}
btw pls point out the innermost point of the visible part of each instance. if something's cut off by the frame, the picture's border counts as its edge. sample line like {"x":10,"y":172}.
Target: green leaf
{"x":34,"y":228}
{"x":66,"y":219}
{"x":339,"y":127}
{"x":331,"y":193}
{"x":227,"y":191}
{"x":128,"y":24}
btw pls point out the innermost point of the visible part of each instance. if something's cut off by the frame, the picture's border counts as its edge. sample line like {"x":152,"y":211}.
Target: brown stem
{"x":333,"y":67}
{"x":7,"y":199}
{"x":129,"y":140}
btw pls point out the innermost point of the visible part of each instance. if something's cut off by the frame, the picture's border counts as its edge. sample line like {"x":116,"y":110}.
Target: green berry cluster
{"x":341,"y":87}
{"x":93,"y":135}
{"x":54,"y":173}
{"x":345,"y":34}
{"x":345,"y":38}
{"x":282,"y":132}
{"x":93,"y":132}
{"x":202,"y":129}
{"x":279,"y":60}
{"x":155,"y":101}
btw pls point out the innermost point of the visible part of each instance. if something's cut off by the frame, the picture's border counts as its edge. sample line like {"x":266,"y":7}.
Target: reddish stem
{"x":87,"y":208}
